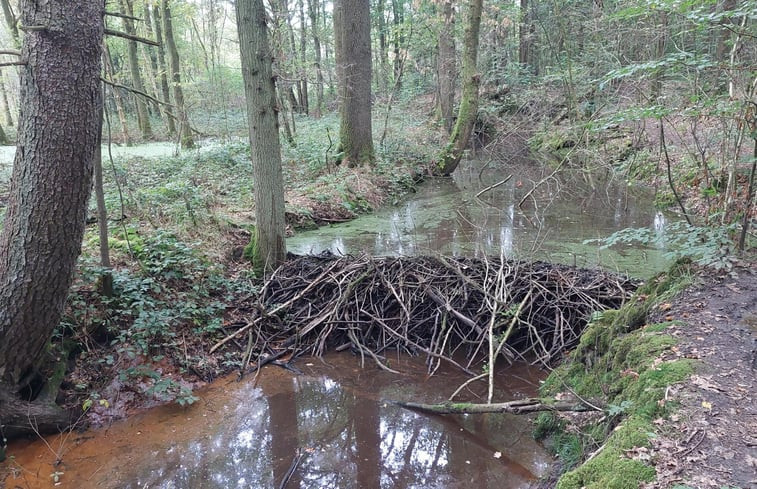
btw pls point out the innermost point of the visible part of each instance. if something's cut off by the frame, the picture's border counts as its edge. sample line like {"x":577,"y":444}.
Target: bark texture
{"x":352,"y":43}
{"x":268,"y":247}
{"x":468,"y":111}
{"x":50,"y":186}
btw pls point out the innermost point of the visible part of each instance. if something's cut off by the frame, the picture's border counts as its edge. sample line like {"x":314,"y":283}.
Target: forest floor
{"x":711,"y":440}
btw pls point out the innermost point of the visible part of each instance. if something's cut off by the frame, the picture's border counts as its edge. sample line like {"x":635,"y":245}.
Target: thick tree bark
{"x":178,"y":94}
{"x":447,"y":65}
{"x":313,"y":13}
{"x":162,"y":67}
{"x":352,"y":43}
{"x":50,"y":186}
{"x":136,"y":77}
{"x":268,"y":246}
{"x":468,"y":111}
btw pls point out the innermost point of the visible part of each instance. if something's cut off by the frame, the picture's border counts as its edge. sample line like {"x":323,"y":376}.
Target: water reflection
{"x":446,"y":216}
{"x":330,"y":429}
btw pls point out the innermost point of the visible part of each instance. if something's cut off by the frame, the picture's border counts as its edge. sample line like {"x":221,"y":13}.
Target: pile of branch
{"x":443,"y":308}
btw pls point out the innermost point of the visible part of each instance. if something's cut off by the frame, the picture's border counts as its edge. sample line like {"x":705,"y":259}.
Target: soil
{"x":711,"y":440}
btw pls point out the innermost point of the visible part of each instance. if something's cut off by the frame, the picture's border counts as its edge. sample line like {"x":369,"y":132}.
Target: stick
{"x":490,"y":187}
{"x":521,"y":406}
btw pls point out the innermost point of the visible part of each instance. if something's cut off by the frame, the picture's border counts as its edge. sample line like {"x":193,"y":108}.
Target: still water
{"x":331,"y":427}
{"x":445,"y":215}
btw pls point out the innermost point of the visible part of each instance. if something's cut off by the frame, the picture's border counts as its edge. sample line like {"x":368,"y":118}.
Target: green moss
{"x":620,"y":361}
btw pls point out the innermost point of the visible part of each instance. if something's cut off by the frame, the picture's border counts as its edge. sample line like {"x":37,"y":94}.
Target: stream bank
{"x":676,"y":368}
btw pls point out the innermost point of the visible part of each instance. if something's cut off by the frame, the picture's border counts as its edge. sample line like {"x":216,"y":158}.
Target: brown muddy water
{"x":331,"y":427}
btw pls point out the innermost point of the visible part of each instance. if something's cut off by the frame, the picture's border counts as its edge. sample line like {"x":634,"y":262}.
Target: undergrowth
{"x":619,"y":363}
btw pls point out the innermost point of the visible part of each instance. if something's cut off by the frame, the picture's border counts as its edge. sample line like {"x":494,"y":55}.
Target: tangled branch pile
{"x":433,"y":306}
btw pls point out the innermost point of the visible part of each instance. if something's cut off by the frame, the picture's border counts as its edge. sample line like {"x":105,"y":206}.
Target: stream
{"x":446,"y":216}
{"x":332,"y":426}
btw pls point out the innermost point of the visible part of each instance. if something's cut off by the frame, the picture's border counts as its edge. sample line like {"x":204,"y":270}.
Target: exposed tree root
{"x":434,"y":306}
{"x":19,"y":418}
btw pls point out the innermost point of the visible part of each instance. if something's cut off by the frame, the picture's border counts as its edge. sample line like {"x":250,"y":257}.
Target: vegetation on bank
{"x":624,"y":364}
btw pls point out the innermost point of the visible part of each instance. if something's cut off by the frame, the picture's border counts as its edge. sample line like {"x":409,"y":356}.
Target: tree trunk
{"x":143,"y":117}
{"x":447,"y":65}
{"x":50,"y":185}
{"x":468,"y":111}
{"x":313,"y":13}
{"x":524,"y":35}
{"x":162,"y":68}
{"x":10,"y":20}
{"x":6,"y":103}
{"x":304,"y":101}
{"x":178,"y":94}
{"x":352,"y":43}
{"x":268,"y":246}
{"x":3,"y":137}
{"x":108,"y":69}
{"x":152,"y":61}
{"x":398,"y":15}
{"x":382,"y":55}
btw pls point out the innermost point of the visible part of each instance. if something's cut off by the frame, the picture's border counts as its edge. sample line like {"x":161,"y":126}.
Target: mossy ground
{"x":618,"y":364}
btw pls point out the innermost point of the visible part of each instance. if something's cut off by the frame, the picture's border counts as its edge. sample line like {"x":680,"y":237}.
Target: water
{"x":334,"y":420}
{"x":445,"y":216}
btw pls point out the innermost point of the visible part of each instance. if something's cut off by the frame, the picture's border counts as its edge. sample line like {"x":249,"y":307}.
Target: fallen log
{"x":521,"y":406}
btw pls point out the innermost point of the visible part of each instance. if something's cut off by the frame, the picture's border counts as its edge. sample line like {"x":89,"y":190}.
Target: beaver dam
{"x":440,"y":307}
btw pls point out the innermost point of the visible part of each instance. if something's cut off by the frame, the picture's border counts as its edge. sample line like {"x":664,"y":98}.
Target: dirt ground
{"x":711,"y":441}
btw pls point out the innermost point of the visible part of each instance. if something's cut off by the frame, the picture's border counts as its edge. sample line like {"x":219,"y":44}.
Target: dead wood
{"x":521,"y":406}
{"x":438,"y":307}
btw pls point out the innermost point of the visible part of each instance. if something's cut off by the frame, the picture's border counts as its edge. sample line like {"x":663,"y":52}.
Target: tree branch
{"x":143,"y":40}
{"x":13,"y":63}
{"x":124,"y":16}
{"x":10,"y":52}
{"x":521,"y":406}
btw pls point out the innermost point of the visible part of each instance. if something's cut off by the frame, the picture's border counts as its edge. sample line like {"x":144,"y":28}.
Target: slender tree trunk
{"x":398,"y":15}
{"x":524,"y":35}
{"x":143,"y":117}
{"x":162,"y":68}
{"x":10,"y":20}
{"x":304,"y":100}
{"x":313,"y":12}
{"x":268,"y":245}
{"x":6,"y":103}
{"x":152,"y":63}
{"x":3,"y":137}
{"x":178,"y":94}
{"x":382,"y":55}
{"x":352,"y":43}
{"x":468,"y":111}
{"x":447,"y":65}
{"x":50,"y":185}
{"x":109,"y":73}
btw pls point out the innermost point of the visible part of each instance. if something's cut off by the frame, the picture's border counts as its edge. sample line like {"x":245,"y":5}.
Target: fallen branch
{"x":521,"y":406}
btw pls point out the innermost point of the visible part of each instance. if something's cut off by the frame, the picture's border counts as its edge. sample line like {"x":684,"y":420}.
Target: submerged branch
{"x":521,"y":406}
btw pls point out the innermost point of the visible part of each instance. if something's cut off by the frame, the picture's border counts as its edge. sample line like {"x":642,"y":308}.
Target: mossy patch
{"x":619,"y":361}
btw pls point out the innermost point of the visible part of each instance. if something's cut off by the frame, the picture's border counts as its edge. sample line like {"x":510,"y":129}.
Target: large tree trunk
{"x":162,"y":68}
{"x":352,"y":43}
{"x":143,"y":117}
{"x":50,"y":185}
{"x":178,"y":94}
{"x":268,"y":246}
{"x":313,"y":13}
{"x":468,"y":111}
{"x":447,"y":65}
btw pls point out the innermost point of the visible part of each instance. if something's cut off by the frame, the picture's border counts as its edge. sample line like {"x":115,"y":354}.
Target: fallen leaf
{"x":497,"y":454}
{"x":706,"y":405}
